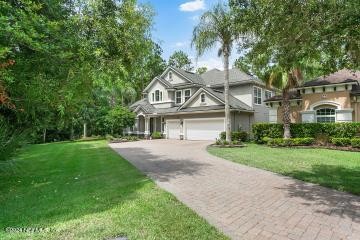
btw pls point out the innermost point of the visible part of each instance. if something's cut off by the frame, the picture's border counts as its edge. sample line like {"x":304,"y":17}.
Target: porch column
{"x":147,"y":127}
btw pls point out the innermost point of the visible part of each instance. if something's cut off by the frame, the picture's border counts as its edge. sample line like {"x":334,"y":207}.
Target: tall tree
{"x":216,"y":27}
{"x":292,"y":36}
{"x":201,"y":70}
{"x":181,"y":60}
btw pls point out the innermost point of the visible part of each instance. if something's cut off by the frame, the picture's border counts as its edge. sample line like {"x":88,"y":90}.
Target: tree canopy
{"x":180,"y":59}
{"x":68,"y":62}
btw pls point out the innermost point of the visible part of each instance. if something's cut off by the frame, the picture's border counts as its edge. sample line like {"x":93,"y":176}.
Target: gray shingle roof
{"x":216,"y":77}
{"x":233,"y":101}
{"x":341,"y":76}
{"x":195,"y":78}
{"x":144,"y":104}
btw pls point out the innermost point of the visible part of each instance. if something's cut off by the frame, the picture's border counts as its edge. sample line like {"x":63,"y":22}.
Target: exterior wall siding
{"x":342,"y":98}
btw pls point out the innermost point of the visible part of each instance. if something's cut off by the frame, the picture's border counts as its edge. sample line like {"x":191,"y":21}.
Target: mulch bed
{"x":331,"y":147}
{"x":228,"y":146}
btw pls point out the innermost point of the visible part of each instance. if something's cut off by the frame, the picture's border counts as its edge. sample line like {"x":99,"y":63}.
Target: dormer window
{"x":170,"y":76}
{"x":158,"y":96}
{"x":202,"y":98}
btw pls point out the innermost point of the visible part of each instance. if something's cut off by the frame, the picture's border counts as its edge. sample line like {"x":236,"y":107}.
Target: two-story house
{"x":185,"y":105}
{"x":331,"y":98}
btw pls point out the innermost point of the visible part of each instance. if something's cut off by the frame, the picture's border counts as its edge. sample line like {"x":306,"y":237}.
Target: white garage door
{"x":173,"y":129}
{"x":203,"y":129}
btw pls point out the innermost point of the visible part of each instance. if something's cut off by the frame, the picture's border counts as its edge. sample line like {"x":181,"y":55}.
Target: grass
{"x":84,"y":190}
{"x":331,"y":168}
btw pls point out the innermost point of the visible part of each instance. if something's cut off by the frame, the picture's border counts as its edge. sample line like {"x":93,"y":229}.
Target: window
{"x":158,"y":96}
{"x":268,"y":94}
{"x":202,"y":98}
{"x":187,"y":94}
{"x":170,"y":76}
{"x":257,"y":95}
{"x":178,"y":97}
{"x":325,"y":115}
{"x":153,"y":97}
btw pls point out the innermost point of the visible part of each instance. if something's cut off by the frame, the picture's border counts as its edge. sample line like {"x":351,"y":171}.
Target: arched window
{"x":325,"y":114}
{"x":170,"y":76}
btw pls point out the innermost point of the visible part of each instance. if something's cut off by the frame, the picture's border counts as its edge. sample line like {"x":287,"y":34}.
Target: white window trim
{"x":160,"y":96}
{"x":268,"y":91}
{"x":170,"y":75}
{"x":183,"y":94}
{"x":329,"y":115}
{"x":202,"y":94}
{"x":181,"y":97}
{"x":257,"y":96}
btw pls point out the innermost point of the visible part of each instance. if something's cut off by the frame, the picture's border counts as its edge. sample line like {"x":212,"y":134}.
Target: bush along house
{"x":331,"y":98}
{"x":184,"y":105}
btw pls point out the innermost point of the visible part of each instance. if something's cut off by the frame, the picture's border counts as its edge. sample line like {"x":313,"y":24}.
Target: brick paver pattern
{"x":241,"y":201}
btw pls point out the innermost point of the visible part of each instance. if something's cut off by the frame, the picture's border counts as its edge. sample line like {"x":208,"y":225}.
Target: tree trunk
{"x":44,"y":135}
{"x":227,"y":106}
{"x":85,"y":130}
{"x":286,"y":113}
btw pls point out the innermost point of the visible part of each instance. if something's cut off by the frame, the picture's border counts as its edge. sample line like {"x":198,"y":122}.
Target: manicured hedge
{"x":341,"y":141}
{"x":236,"y":136}
{"x":355,"y":142}
{"x":289,"y":142}
{"x":304,"y":130}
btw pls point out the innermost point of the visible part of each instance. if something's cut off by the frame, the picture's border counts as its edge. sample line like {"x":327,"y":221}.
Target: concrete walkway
{"x":245,"y":202}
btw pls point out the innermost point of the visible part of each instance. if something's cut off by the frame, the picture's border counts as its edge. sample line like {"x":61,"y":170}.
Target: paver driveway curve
{"x":241,"y":201}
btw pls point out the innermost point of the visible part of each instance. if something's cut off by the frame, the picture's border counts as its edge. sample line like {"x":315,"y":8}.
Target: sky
{"x":173,"y":25}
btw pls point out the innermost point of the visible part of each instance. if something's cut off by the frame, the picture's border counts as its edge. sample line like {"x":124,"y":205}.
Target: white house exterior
{"x":185,"y":105}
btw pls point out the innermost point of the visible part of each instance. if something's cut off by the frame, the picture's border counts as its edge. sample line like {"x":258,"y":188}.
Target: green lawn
{"x":330,"y":168}
{"x":84,"y":190}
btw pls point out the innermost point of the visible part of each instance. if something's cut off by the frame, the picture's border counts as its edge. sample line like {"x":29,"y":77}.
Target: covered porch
{"x":145,"y":125}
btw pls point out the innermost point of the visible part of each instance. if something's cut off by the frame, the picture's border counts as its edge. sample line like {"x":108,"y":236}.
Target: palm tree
{"x":216,"y":27}
{"x":285,"y":80}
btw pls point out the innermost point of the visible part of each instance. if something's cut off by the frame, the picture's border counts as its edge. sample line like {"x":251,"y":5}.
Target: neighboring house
{"x":185,"y":105}
{"x":331,"y":98}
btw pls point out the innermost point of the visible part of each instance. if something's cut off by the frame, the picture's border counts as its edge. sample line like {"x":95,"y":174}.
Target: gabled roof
{"x":142,"y":104}
{"x":163,"y":81}
{"x":341,"y":76}
{"x":216,"y":77}
{"x":193,"y":77}
{"x":220,"y":96}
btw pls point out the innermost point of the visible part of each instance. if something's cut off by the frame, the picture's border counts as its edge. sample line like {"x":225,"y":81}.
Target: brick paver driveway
{"x":245,"y":202}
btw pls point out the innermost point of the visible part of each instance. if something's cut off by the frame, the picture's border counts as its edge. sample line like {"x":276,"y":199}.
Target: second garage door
{"x":173,"y":129}
{"x":203,"y":129}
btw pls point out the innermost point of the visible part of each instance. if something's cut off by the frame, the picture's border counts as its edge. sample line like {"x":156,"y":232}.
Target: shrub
{"x":341,"y":141}
{"x":302,"y":130}
{"x":239,"y":136}
{"x":156,"y":135}
{"x":235,"y":142}
{"x":303,"y":141}
{"x":290,"y":142}
{"x":355,"y":142}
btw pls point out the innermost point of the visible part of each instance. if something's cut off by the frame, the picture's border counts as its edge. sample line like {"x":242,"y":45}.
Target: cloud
{"x":210,"y":63}
{"x":181,"y":44}
{"x":192,"y":6}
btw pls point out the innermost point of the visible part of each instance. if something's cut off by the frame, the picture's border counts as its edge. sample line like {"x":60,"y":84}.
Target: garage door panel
{"x":204,"y":129}
{"x":173,"y":129}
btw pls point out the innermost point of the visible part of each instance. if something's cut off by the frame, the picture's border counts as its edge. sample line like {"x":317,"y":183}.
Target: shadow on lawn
{"x":159,"y":167}
{"x":332,"y":202}
{"x":50,"y":189}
